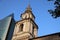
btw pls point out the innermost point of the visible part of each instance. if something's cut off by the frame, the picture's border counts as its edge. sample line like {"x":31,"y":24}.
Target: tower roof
{"x":29,"y":12}
{"x":29,"y":9}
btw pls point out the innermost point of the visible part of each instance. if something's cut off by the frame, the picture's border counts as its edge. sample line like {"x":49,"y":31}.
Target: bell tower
{"x":26,"y":28}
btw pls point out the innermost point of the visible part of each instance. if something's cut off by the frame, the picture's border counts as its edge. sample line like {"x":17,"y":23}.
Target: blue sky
{"x":47,"y":24}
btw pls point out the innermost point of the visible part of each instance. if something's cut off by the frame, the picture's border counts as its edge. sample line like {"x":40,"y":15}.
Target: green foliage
{"x":56,"y":12}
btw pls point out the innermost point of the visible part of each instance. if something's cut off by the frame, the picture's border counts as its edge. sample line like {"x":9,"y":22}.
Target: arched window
{"x":21,"y":27}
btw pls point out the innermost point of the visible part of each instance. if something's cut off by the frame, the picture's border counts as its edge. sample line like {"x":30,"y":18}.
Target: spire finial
{"x":28,"y":7}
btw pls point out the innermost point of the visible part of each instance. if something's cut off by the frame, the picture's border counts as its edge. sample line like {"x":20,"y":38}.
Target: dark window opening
{"x":21,"y":28}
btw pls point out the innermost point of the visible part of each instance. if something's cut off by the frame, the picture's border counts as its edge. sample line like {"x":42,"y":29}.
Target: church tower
{"x":26,"y":28}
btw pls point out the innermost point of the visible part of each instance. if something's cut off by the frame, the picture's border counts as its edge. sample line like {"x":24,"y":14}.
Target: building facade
{"x":7,"y":25}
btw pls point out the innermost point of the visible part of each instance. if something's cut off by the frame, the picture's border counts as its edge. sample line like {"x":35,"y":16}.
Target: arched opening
{"x":21,"y":27}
